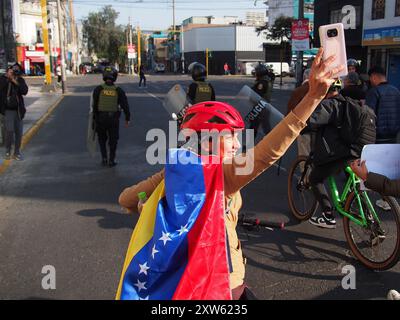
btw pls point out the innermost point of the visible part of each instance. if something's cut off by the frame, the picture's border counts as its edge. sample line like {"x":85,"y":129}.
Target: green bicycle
{"x":372,"y":233}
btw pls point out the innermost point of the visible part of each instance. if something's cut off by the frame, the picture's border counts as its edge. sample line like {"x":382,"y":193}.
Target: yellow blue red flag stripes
{"x":178,"y":248}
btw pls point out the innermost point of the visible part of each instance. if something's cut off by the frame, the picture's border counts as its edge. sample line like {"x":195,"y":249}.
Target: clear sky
{"x":157,"y":14}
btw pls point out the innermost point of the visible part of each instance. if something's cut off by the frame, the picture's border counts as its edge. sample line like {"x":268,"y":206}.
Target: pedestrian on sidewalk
{"x":59,"y":74}
{"x":142,"y":76}
{"x":12,"y":89}
{"x":226,"y":69}
{"x":107,"y":98}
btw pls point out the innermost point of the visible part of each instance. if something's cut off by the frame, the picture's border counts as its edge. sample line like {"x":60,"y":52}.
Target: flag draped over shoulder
{"x":178,"y":248}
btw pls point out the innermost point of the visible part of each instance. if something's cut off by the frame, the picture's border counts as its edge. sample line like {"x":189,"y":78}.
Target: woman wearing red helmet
{"x":227,"y":120}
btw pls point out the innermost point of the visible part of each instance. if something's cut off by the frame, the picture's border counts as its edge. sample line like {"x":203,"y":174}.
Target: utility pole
{"x":207,"y":61}
{"x":74,"y":37}
{"x":299,"y":63}
{"x":131,"y":61}
{"x":183,"y":50}
{"x":174,"y":35}
{"x":139,"y":52}
{"x":62,"y":49}
{"x":127,"y":46}
{"x":43,"y":5}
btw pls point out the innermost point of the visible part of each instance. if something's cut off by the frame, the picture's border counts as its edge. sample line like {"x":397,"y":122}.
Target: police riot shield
{"x":176,"y":102}
{"x":91,"y":138}
{"x":256,"y":108}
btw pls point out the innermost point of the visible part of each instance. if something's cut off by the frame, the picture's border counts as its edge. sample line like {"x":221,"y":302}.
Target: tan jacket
{"x":266,"y":152}
{"x":297,"y":95}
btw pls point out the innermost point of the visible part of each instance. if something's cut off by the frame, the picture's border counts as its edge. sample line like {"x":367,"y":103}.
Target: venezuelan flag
{"x":178,"y":248}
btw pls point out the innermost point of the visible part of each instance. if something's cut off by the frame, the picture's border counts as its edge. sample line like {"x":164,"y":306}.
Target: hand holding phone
{"x":334,"y":43}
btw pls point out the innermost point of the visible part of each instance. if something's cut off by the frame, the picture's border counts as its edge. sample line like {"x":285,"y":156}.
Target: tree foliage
{"x":280,"y":29}
{"x":104,"y":37}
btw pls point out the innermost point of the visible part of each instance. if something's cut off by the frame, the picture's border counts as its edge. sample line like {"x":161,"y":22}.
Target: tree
{"x":103,"y":36}
{"x":280,"y":29}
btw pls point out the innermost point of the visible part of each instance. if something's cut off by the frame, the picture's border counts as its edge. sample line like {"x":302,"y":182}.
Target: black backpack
{"x":358,"y":126}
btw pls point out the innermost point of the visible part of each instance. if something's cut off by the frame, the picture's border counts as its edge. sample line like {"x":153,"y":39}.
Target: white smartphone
{"x":333,"y":41}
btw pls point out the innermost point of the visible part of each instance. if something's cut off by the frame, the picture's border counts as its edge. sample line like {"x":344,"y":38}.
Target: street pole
{"x":207,"y":61}
{"x":62,"y":49}
{"x":183,"y":51}
{"x":74,"y":40}
{"x":299,"y":63}
{"x":138,"y":53}
{"x":281,"y":57}
{"x":43,"y":4}
{"x":174,"y":30}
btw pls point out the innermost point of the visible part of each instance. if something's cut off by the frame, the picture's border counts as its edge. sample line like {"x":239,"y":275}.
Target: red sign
{"x":300,"y":35}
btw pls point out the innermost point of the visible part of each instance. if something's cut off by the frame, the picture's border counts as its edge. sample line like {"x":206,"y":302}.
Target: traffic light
{"x":209,"y":54}
{"x":50,"y":33}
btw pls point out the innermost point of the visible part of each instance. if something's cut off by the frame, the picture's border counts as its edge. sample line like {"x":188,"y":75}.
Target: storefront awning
{"x":36,"y":59}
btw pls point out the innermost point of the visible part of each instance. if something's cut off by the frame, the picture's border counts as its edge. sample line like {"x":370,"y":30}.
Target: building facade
{"x":350,"y":13}
{"x":235,"y":45}
{"x":381,"y":36}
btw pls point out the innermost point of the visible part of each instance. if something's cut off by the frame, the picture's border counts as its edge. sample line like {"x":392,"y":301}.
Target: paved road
{"x":59,"y":208}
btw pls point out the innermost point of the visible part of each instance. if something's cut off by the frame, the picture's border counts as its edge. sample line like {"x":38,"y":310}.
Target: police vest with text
{"x":203,"y":92}
{"x":108,"y":99}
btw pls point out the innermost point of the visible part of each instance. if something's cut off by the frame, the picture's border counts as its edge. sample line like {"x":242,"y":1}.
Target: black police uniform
{"x":200,"y":91}
{"x":106,"y":101}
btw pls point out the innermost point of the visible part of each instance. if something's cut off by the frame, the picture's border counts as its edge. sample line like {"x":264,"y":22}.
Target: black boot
{"x":104,"y":162}
{"x":112,"y":163}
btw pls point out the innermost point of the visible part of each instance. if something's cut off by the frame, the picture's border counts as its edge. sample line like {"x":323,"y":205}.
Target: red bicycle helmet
{"x":211,"y":115}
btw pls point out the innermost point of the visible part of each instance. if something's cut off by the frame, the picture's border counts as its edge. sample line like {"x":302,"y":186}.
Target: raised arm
{"x":275,"y":144}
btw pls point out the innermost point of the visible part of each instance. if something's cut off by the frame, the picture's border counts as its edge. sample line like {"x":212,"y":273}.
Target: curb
{"x":32,"y":131}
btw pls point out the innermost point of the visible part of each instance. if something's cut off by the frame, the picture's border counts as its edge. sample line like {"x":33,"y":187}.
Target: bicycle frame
{"x":339,"y":200}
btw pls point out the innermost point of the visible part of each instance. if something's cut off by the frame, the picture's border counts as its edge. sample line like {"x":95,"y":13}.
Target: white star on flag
{"x":165,"y":237}
{"x":183,"y":229}
{"x":143,"y":268}
{"x":147,"y":298}
{"x":154,"y":251}
{"x":140,"y":285}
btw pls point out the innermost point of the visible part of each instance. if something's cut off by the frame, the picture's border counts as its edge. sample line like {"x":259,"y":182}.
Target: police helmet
{"x":261,"y":71}
{"x":352,"y":62}
{"x":110,"y":73}
{"x":198,"y":71}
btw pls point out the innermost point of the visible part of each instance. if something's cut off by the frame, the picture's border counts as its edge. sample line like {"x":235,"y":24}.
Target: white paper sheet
{"x":383,"y":159}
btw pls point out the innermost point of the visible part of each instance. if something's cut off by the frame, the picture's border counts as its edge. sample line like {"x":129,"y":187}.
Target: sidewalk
{"x":38,"y":104}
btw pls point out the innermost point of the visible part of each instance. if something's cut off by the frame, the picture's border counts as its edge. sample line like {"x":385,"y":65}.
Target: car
{"x":99,"y":67}
{"x":159,"y":67}
{"x":86,"y":67}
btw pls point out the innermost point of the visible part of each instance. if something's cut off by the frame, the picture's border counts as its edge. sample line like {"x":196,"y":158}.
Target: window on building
{"x":397,"y":10}
{"x":378,"y":9}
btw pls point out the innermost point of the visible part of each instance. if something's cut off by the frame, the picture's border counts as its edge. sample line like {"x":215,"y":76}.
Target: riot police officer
{"x":264,"y":81}
{"x":354,"y":66}
{"x":199,"y":90}
{"x":107,"y":101}
{"x":263,"y":87}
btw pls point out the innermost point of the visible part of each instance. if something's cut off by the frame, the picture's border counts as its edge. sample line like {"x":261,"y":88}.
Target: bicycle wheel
{"x":376,"y":246}
{"x":302,"y":202}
